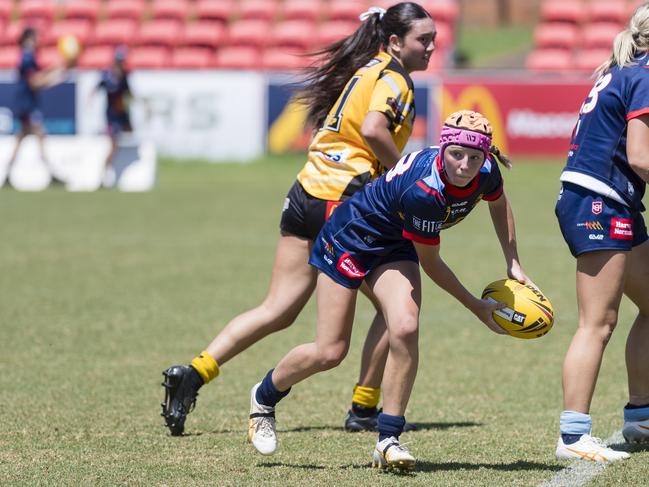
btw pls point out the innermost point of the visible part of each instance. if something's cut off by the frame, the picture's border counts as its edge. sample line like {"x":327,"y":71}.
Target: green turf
{"x":100,"y":292}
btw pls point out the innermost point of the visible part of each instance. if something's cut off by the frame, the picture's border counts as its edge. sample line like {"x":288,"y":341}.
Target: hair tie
{"x":371,"y":11}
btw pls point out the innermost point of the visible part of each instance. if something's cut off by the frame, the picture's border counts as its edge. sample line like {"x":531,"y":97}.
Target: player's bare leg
{"x":636,"y":413}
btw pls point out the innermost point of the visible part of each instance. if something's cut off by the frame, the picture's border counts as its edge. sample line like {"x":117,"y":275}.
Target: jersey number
{"x":333,"y":122}
{"x":400,"y":167}
{"x":591,"y":101}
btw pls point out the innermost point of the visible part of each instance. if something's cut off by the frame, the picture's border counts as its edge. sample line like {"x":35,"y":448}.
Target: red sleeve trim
{"x":494,"y":196}
{"x":636,"y":113}
{"x":420,"y":239}
{"x":428,"y":190}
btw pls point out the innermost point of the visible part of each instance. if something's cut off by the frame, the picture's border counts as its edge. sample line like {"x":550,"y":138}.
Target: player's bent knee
{"x":331,"y":356}
{"x":406,"y":328}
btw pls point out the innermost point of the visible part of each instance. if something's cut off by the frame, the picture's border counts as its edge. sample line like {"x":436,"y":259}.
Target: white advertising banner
{"x":186,"y":114}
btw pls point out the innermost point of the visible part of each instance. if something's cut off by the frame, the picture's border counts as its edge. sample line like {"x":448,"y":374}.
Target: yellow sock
{"x":206,"y":366}
{"x":366,"y":396}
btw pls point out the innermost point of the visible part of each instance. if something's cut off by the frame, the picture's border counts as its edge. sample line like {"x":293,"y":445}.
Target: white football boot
{"x":636,"y":431}
{"x":588,"y":448}
{"x":261,"y":425}
{"x":390,"y":454}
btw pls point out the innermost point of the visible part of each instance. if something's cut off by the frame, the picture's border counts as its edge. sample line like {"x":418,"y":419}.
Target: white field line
{"x":580,"y":472}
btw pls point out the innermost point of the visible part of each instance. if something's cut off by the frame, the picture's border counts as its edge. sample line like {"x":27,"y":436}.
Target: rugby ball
{"x":529,"y":314}
{"x":69,"y":47}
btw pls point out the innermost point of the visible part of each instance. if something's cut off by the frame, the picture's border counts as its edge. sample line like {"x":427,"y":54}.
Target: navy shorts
{"x":116,"y":124}
{"x":591,"y":222}
{"x":347,"y":266}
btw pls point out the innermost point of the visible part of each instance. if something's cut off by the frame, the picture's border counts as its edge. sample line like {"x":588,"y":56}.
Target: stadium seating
{"x":293,"y":33}
{"x":211,"y":10}
{"x":254,"y":32}
{"x":148,"y":57}
{"x":36,"y":11}
{"x":345,"y":9}
{"x":129,"y":9}
{"x":163,"y":32}
{"x":6,"y":9}
{"x":81,"y":9}
{"x":243,"y":57}
{"x":279,"y":59}
{"x":170,"y":9}
{"x":114,"y":32}
{"x":599,"y":35}
{"x":257,"y":9}
{"x":563,"y":11}
{"x":301,"y":10}
{"x":80,"y":28}
{"x":96,"y":57}
{"x":49,"y":57}
{"x":192,"y":58}
{"x":608,"y":11}
{"x":12,"y":32}
{"x":556,"y":34}
{"x":549,"y":60}
{"x":589,"y":59}
{"x":204,"y":33}
{"x":9,"y":57}
{"x":332,"y":31}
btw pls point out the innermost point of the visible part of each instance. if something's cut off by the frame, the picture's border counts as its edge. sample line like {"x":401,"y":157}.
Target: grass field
{"x":100,"y":292}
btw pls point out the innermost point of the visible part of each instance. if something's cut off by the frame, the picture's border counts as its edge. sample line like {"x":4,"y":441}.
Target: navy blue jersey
{"x":412,"y":201}
{"x":597,"y":158}
{"x":26,"y":97}
{"x":117,"y":89}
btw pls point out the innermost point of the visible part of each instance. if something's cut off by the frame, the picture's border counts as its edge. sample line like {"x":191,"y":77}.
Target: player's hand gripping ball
{"x":529,"y":314}
{"x":69,"y":48}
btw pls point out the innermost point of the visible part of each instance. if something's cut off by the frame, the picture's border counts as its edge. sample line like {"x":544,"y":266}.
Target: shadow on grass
{"x":424,"y":466}
{"x":420,"y":427}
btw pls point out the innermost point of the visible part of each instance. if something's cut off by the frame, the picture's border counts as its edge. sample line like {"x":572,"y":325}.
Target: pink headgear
{"x":467,"y":138}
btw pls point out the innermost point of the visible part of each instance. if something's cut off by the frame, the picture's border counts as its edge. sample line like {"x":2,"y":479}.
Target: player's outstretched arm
{"x":433,"y":265}
{"x":503,"y":222}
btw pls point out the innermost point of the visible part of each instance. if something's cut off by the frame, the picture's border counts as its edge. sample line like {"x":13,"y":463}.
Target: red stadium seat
{"x":345,"y":9}
{"x":125,"y":9}
{"x":293,"y":33}
{"x":258,"y":9}
{"x":549,"y":60}
{"x":36,"y":10}
{"x":333,"y":31}
{"x":163,"y":32}
{"x":96,"y":57}
{"x":115,"y":32}
{"x":600,"y":35}
{"x":170,"y":9}
{"x":6,"y":9}
{"x":49,"y":57}
{"x":301,"y":10}
{"x":280,"y":59}
{"x":192,"y":58}
{"x":12,"y":32}
{"x":608,"y":11}
{"x":211,"y":10}
{"x":9,"y":57}
{"x":444,"y":37}
{"x":590,"y":59}
{"x":556,"y":34}
{"x":563,"y":11}
{"x":148,"y":57}
{"x":80,"y":28}
{"x":441,"y":10}
{"x":244,"y":57}
{"x":204,"y":33}
{"x":82,"y":9}
{"x":249,"y":33}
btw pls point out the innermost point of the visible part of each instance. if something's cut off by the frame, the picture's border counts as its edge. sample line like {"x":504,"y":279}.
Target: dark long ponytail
{"x":324,"y":83}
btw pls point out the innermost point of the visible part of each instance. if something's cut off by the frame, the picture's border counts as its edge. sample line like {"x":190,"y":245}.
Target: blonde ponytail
{"x":631,"y":41}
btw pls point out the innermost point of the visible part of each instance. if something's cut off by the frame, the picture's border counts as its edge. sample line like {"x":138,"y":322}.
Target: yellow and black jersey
{"x":339,"y":161}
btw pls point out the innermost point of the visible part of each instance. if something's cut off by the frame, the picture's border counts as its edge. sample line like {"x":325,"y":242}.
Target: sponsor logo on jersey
{"x":429,"y":226}
{"x":596,"y":236}
{"x":338,"y":156}
{"x":591,"y":225}
{"x":621,"y":228}
{"x":349,"y":267}
{"x":596,"y":207}
{"x":327,"y":259}
{"x":331,"y":206}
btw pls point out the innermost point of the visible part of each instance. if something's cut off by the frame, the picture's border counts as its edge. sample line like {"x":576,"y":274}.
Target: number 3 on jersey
{"x":592,"y":98}
{"x":334,"y":120}
{"x":400,"y":167}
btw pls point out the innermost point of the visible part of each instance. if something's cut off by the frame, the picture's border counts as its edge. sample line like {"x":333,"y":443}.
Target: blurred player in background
{"x":114,"y":82}
{"x":362,"y":99}
{"x":31,"y":80}
{"x":379,"y":236}
{"x":599,"y":211}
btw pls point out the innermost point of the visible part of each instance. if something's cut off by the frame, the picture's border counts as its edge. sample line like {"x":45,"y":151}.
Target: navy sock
{"x":633,"y":406}
{"x":570,"y":439}
{"x":389,"y":425}
{"x":267,"y":393}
